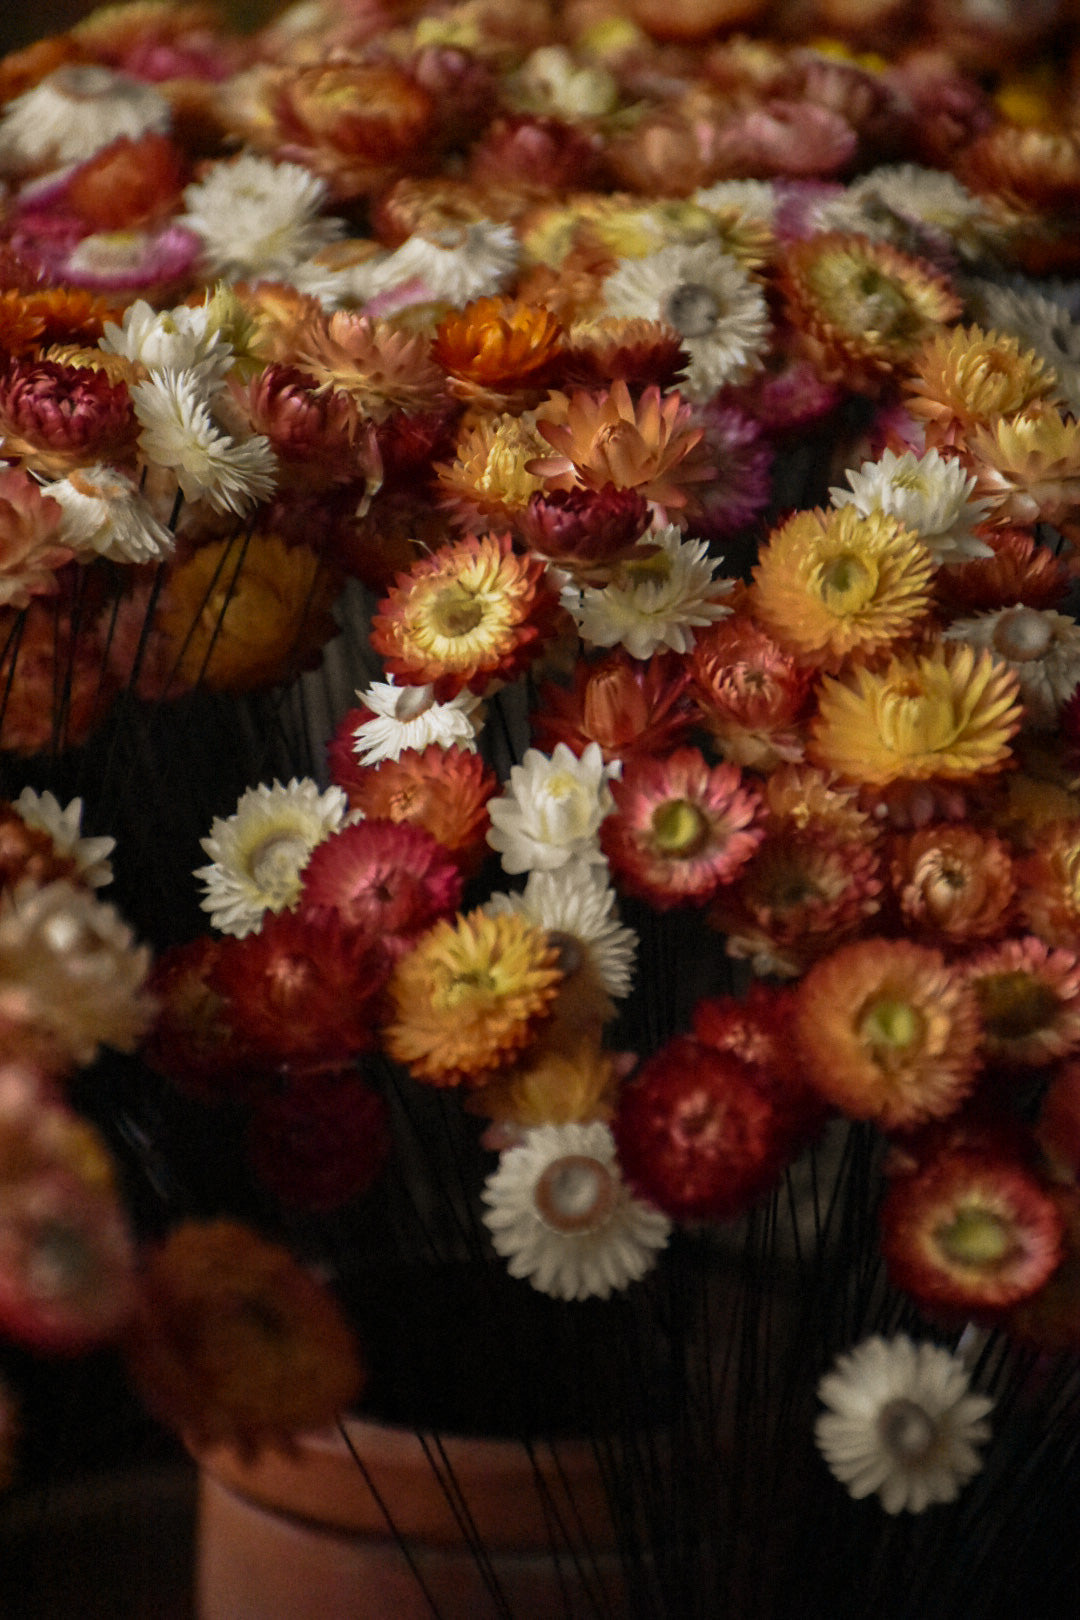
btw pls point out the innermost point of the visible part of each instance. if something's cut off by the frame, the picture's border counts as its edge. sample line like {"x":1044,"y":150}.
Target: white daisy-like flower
{"x":577,"y":900}
{"x":260,"y":852}
{"x":408,"y":717}
{"x":885,"y":202}
{"x":453,"y":265}
{"x":64,"y":827}
{"x":901,"y":1423}
{"x":72,"y":113}
{"x":182,"y":339}
{"x":552,"y":80}
{"x":561,"y":1214}
{"x":551,"y":810}
{"x":709,"y":299}
{"x":105,"y":514}
{"x":1040,"y":323}
{"x":929,"y":494}
{"x":756,"y":199}
{"x":179,"y":432}
{"x":654,"y":603}
{"x":257,"y":218}
{"x":1043,"y":647}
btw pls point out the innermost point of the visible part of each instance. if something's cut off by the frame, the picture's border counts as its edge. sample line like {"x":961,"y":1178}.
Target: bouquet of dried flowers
{"x":545,"y":535}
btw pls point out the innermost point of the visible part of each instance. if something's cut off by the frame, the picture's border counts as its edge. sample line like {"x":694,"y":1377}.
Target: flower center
{"x":847,"y":582}
{"x":575,"y":1194}
{"x":457,"y":612}
{"x":913,"y":721}
{"x":906,"y":1429}
{"x":679,"y":827}
{"x":975,"y":1237}
{"x":891,"y":1025}
{"x":413,"y":701}
{"x":692,"y":309}
{"x":1015,"y":1004}
{"x":1023,"y":634}
{"x":275,"y":865}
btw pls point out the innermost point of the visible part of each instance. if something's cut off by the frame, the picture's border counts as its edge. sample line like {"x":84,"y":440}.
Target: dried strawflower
{"x":1029,"y":1000}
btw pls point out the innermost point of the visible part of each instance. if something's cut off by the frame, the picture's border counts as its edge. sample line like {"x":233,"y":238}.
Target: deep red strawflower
{"x":696,"y":1135}
{"x":758,"y":1029}
{"x":1049,"y":1319}
{"x":681,"y":828}
{"x":303,"y":991}
{"x":409,"y":441}
{"x":1057,"y":1129}
{"x":585,"y":530}
{"x":627,"y":705}
{"x":642,"y":354}
{"x":443,"y":790}
{"x":389,"y":879}
{"x":523,"y":149}
{"x":970,"y":1232}
{"x":192,"y":1040}
{"x":56,"y":417}
{"x":319,"y":1144}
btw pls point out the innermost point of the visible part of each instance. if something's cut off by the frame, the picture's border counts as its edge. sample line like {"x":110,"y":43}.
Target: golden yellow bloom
{"x":966,"y":377}
{"x":832,"y":583}
{"x":570,"y":1086}
{"x":487,"y":484}
{"x":497,"y":346}
{"x":1029,"y":463}
{"x":469,"y":997}
{"x":949,"y":713}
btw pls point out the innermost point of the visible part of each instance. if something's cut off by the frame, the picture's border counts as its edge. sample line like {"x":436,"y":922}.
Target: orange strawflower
{"x":888,"y":1032}
{"x":470,"y":997}
{"x":498,"y":348}
{"x":1049,"y":885}
{"x":21,"y":325}
{"x":751,"y":693}
{"x":953,"y":882}
{"x":800,"y":798}
{"x":832,"y":583}
{"x":443,"y":790}
{"x":967,"y":377}
{"x":553,"y":1086}
{"x":948,"y":713}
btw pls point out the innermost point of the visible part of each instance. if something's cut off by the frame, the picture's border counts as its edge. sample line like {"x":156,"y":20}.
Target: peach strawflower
{"x":965,"y":378}
{"x":496,"y":348}
{"x":488,"y":485}
{"x":561,"y":1086}
{"x":470,"y":996}
{"x":831,"y":583}
{"x":751,"y":692}
{"x":953,"y":882}
{"x":948,"y":713}
{"x":470,"y":613}
{"x":1049,"y":885}
{"x":1029,"y":464}
{"x":1029,"y":169}
{"x":800,"y":798}
{"x":380,"y":366}
{"x":1029,"y":999}
{"x":861,"y":308}
{"x":888,"y":1032}
{"x":30,"y":552}
{"x":650,"y":445}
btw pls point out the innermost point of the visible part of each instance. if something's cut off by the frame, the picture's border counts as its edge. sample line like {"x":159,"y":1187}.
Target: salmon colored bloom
{"x":951,"y":712}
{"x":888,"y":1032}
{"x":829,"y":584}
{"x":1049,"y":885}
{"x":469,"y":614}
{"x":626,"y":705}
{"x":443,"y":790}
{"x":751,"y":692}
{"x":964,"y":378}
{"x":1029,"y":999}
{"x":470,"y":996}
{"x":953,"y":882}
{"x":379,"y":366}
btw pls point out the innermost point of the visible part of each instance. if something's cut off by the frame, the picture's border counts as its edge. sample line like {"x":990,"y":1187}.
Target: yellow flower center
{"x":912,"y":720}
{"x":847,"y":582}
{"x":456,"y":611}
{"x":975,"y":1237}
{"x":679,"y":827}
{"x":890,"y":1025}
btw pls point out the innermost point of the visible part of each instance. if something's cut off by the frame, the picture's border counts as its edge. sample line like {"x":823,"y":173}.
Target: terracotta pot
{"x":488,"y":1527}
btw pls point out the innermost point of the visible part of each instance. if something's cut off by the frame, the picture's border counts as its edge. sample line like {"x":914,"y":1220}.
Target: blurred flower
{"x":320,"y":1143}
{"x":1029,"y":1000}
{"x":89,"y":857}
{"x":74,"y":111}
{"x":31,"y":540}
{"x":258,"y":219}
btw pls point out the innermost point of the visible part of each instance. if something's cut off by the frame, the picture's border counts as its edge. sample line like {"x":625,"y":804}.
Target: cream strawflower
{"x":453,"y":266}
{"x":259,"y":853}
{"x":409,"y":717}
{"x":1040,"y":323}
{"x":552,"y":80}
{"x":64,"y":827}
{"x":1042,"y":647}
{"x":755,"y":199}
{"x":577,"y":900}
{"x":105,"y":514}
{"x":258,"y":219}
{"x":887,"y":201}
{"x":709,"y":299}
{"x":655,"y":602}
{"x":561,"y":1214}
{"x":73,"y":113}
{"x":179,"y":432}
{"x":901,"y":1423}
{"x":182,"y":339}
{"x":550,"y":813}
{"x":929,"y":494}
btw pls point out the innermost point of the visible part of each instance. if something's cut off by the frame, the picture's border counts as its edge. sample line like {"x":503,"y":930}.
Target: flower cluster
{"x":549,"y":413}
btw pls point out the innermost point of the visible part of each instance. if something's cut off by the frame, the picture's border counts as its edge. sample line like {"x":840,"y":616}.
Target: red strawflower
{"x":315,"y":433}
{"x":193,"y":1040}
{"x":970,"y":1231}
{"x":586,"y":530}
{"x":627,"y":705}
{"x":1029,"y":1001}
{"x":57,"y":417}
{"x":1049,"y":1319}
{"x":443,"y":790}
{"x":320,"y":1144}
{"x":696,"y":1135}
{"x":390,"y":879}
{"x":1057,"y":1129}
{"x":304,"y":991}
{"x":523,"y":149}
{"x":758,"y":1029}
{"x":681,"y":828}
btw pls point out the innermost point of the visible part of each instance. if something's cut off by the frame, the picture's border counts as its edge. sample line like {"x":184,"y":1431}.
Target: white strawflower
{"x":1043,"y":647}
{"x":64,"y":827}
{"x":452,"y":266}
{"x":260,"y":852}
{"x":409,"y":717}
{"x":105,"y":514}
{"x":182,"y":339}
{"x":561,"y":1214}
{"x":901,"y":1423}
{"x":577,"y":900}
{"x":928,"y":494}
{"x":886,"y":201}
{"x":72,"y":113}
{"x":551,"y":810}
{"x":1040,"y":323}
{"x":552,"y":80}
{"x":656,"y":602}
{"x":709,"y":299}
{"x":756,"y":199}
{"x":257,"y":218}
{"x":179,"y":432}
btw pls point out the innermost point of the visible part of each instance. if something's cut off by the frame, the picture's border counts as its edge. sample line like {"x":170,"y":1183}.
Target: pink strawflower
{"x":389,"y":878}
